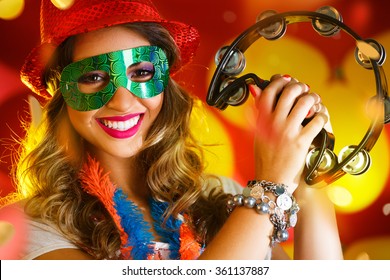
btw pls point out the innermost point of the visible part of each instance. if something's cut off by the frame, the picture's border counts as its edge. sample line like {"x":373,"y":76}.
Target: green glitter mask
{"x":90,"y":83}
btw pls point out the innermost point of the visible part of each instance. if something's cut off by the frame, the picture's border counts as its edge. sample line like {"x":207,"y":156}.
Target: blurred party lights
{"x":13,"y":228}
{"x":386,"y":209}
{"x":362,"y":201}
{"x":7,"y":232}
{"x":62,"y":4}
{"x":340,"y":196}
{"x":11,"y":9}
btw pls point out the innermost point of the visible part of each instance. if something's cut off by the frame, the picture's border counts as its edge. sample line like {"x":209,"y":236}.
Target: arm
{"x":245,"y":236}
{"x":281,"y":145}
{"x":316,"y":233}
{"x":65,"y":254}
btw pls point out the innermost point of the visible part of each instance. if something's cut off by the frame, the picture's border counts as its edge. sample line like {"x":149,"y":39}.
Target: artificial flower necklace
{"x":136,"y":238}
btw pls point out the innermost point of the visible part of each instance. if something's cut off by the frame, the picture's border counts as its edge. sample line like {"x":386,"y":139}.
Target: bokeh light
{"x":209,"y":131}
{"x":340,"y":195}
{"x":7,"y":232}
{"x":10,"y":9}
{"x":12,"y":232}
{"x":386,"y":209}
{"x":369,"y":248}
{"x":62,"y":4}
{"x":326,"y":64}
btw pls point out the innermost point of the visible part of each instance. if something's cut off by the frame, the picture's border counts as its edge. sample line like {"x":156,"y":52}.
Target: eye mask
{"x":90,"y":83}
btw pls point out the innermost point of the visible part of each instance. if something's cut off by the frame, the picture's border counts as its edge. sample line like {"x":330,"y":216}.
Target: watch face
{"x":284,"y":202}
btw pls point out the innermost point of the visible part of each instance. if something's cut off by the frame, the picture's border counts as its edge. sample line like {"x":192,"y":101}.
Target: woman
{"x":115,"y":172}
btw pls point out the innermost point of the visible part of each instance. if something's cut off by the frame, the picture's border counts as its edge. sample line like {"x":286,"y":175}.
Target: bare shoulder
{"x":65,"y":254}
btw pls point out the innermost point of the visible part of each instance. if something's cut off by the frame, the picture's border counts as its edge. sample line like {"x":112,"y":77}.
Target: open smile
{"x":121,"y":126}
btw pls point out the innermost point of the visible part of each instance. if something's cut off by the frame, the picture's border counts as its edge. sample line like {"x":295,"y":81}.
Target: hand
{"x":281,"y":142}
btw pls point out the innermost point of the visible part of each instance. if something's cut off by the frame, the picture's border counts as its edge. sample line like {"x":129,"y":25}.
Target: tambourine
{"x":323,"y":166}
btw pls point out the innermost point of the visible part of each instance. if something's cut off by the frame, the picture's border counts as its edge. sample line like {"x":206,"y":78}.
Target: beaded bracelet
{"x":283,"y":211}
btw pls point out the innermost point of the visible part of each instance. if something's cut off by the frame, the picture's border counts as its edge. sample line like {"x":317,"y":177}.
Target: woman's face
{"x":119,"y":128}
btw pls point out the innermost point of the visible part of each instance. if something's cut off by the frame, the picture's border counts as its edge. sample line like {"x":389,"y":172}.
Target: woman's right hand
{"x":281,"y":142}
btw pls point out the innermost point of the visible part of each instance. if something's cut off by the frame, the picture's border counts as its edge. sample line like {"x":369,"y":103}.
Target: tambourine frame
{"x":217,"y":97}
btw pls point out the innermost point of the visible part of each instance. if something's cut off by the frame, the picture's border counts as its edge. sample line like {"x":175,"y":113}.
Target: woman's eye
{"x":93,"y":77}
{"x":92,"y":82}
{"x":140,"y":72}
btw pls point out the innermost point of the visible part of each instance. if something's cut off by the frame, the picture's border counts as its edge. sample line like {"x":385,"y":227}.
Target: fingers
{"x":288,"y":99}
{"x":317,"y":107}
{"x":306,"y":106}
{"x":320,"y":120}
{"x":293,"y":93}
{"x":269,"y":96}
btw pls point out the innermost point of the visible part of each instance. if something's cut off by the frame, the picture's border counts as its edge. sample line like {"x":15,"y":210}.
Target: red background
{"x":368,"y":18}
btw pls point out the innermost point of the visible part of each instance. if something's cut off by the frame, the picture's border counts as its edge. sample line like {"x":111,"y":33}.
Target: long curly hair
{"x":47,"y":171}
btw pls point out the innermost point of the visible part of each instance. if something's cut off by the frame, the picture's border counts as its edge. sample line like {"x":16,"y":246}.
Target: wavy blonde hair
{"x":172,"y":161}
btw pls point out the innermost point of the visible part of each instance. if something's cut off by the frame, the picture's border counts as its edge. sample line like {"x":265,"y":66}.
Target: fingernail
{"x":286,"y":76}
{"x":252,"y":90}
{"x":318,"y":100}
{"x":318,"y":107}
{"x":308,"y":87}
{"x":314,"y":109}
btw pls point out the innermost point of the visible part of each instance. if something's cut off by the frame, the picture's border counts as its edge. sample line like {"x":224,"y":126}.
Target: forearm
{"x":245,"y":235}
{"x":316,"y":234}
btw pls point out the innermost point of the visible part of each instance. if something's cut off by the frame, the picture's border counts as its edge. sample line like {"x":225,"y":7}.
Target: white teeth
{"x":121,"y":126}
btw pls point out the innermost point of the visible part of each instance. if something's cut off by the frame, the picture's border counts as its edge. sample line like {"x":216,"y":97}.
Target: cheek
{"x":154,"y":104}
{"x":68,"y":136}
{"x":80,"y":120}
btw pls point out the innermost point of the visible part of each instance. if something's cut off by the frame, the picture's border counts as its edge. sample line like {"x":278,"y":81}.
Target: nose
{"x":122,"y":100}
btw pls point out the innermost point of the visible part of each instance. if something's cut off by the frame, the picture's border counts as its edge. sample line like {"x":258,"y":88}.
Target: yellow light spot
{"x":339,"y":196}
{"x":10,"y":9}
{"x":274,"y":60}
{"x":7,"y":231}
{"x":363,"y":256}
{"x":62,"y":4}
{"x":373,"y":248}
{"x":207,"y":129}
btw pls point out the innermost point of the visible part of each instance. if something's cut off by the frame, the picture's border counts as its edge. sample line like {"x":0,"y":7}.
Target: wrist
{"x":290,"y":184}
{"x":268,"y":198}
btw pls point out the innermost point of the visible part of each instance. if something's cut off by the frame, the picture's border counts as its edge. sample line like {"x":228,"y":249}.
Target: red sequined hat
{"x":88,"y":15}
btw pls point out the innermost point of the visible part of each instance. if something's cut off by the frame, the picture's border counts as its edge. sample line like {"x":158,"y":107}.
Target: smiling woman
{"x":124,"y":100}
{"x":113,"y":170}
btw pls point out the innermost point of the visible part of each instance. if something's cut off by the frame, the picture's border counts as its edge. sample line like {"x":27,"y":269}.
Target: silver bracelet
{"x":283,"y":211}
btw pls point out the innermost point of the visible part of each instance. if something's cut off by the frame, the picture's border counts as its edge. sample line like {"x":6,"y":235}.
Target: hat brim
{"x":186,"y":37}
